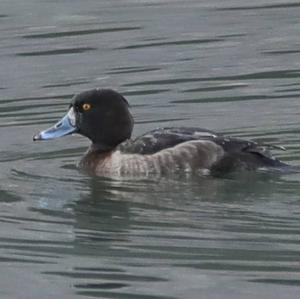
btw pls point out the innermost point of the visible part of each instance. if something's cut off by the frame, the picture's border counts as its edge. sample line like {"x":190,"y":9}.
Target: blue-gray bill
{"x":66,"y":126}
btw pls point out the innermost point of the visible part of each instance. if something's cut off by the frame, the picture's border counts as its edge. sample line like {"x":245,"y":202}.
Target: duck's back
{"x":162,"y":138}
{"x":229,"y":153}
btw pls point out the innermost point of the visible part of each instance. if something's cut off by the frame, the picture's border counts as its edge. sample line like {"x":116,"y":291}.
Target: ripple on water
{"x":58,"y":51}
{"x":261,"y":7}
{"x":172,"y":43}
{"x":60,"y":34}
{"x":283,"y":74}
{"x":152,"y":238}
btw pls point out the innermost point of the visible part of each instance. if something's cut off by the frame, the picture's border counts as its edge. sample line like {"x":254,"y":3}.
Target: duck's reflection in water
{"x":134,"y":228}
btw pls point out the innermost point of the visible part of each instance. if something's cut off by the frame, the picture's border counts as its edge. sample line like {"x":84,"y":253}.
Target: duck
{"x":103,"y":116}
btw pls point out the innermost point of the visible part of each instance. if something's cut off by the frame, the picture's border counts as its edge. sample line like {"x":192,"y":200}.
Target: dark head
{"x":102,"y":115}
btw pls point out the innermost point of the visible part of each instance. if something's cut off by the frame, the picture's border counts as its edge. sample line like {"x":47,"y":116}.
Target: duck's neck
{"x":95,"y":156}
{"x":100,"y":148}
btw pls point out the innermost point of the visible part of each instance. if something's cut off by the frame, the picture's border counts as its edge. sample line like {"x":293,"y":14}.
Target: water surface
{"x":228,"y":66}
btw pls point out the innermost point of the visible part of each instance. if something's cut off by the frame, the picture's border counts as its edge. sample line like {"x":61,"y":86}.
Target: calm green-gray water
{"x":226,"y":65}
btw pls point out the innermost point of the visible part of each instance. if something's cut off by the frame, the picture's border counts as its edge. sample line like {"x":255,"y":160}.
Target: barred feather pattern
{"x":191,"y":156}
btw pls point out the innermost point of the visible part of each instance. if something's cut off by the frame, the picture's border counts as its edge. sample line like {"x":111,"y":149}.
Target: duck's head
{"x":102,"y":115}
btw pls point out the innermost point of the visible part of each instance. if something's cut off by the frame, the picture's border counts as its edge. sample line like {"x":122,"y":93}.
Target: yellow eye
{"x":86,"y":107}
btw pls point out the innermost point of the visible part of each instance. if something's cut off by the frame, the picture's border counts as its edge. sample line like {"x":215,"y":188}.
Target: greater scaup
{"x":103,"y":116}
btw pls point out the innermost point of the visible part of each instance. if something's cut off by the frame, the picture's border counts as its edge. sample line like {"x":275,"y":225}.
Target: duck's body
{"x":167,"y":151}
{"x":103,"y":116}
{"x":196,"y":156}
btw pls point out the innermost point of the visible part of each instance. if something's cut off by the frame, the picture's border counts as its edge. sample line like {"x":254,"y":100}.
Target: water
{"x":228,"y":66}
